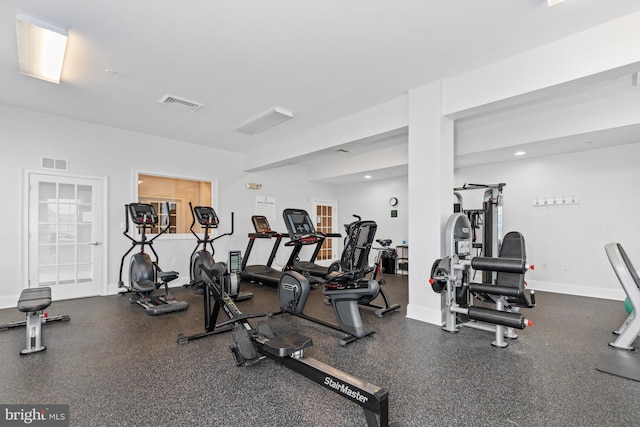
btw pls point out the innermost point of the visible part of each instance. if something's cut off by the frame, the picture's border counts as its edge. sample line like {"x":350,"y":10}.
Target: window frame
{"x":214,"y":199}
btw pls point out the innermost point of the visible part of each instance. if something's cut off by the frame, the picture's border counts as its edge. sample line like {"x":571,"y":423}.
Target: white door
{"x":65,"y":235}
{"x":326,"y":222}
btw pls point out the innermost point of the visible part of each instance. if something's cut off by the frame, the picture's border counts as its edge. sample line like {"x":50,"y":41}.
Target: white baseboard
{"x":578,"y":290}
{"x":11,"y":301}
{"x":8,"y":301}
{"x":424,"y":314}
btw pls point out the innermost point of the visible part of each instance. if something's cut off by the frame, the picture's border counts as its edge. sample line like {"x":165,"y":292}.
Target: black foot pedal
{"x":265,"y":330}
{"x":244,"y":351}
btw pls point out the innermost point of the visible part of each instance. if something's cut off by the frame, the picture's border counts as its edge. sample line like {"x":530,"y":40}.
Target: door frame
{"x":26,"y":177}
{"x":337,"y":250}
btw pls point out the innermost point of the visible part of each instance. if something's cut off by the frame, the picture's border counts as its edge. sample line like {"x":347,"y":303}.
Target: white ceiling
{"x":322,"y":60}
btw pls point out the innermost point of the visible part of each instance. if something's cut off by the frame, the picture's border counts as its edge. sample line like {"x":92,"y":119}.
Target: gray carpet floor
{"x":116,"y":366}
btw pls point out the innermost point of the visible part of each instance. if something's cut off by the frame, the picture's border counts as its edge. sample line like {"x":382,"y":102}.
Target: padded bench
{"x":33,"y":301}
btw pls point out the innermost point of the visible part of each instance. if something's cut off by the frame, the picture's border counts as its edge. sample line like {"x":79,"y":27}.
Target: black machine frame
{"x":217,"y":277}
{"x":488,"y":220}
{"x":306,"y":234}
{"x":344,"y":289}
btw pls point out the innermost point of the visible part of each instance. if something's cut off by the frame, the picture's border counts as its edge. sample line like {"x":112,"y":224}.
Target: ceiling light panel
{"x":265,"y":120}
{"x":41,"y":48}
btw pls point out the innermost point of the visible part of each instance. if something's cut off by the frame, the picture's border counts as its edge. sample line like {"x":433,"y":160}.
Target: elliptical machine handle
{"x":126,"y":225}
{"x":193,"y":221}
{"x":163,"y":230}
{"x":230,"y":232}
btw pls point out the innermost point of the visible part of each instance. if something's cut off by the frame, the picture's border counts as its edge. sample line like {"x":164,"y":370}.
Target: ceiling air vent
{"x":342,"y":150}
{"x":180,"y":103}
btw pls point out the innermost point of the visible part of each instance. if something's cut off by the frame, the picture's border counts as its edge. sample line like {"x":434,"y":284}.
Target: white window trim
{"x":214,"y":198}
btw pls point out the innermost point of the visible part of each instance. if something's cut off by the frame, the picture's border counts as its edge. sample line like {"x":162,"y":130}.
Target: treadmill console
{"x":206,"y":216}
{"x":261,"y":224}
{"x":143,"y":214}
{"x":298,"y":223}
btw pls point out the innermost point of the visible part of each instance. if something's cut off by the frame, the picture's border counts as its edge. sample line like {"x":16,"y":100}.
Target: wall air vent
{"x":50,"y":163}
{"x":180,"y":103}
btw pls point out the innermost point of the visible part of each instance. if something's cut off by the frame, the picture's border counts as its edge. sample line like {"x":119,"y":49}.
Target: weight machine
{"x":451,"y":274}
{"x":485,"y":220}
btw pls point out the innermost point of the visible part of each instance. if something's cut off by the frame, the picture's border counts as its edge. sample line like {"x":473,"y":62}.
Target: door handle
{"x":94,"y":243}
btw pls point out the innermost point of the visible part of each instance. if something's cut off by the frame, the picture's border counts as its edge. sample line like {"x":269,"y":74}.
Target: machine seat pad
{"x":34,"y":299}
{"x":514,"y":296}
{"x":287,"y":345}
{"x":496,"y":290}
{"x":167,"y":276}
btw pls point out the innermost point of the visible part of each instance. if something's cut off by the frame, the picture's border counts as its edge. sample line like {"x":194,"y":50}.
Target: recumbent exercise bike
{"x":345,"y":289}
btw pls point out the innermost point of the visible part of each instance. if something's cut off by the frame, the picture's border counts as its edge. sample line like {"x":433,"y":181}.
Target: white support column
{"x":431,"y":140}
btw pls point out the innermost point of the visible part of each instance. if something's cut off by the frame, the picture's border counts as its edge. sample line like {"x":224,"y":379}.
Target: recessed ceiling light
{"x":554,"y":2}
{"x":367,"y":177}
{"x":519,"y":153}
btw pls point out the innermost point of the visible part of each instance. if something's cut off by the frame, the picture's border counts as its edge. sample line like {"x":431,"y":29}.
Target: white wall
{"x":604,"y":180}
{"x":290,"y":188}
{"x":370,"y":200}
{"x":101,"y":151}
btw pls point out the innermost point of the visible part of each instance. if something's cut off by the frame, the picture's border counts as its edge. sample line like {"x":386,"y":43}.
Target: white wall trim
{"x":10,"y":301}
{"x":424,"y":314}
{"x":578,"y":290}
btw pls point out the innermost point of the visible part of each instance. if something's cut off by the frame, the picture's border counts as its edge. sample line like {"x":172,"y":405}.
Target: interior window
{"x":177,"y":193}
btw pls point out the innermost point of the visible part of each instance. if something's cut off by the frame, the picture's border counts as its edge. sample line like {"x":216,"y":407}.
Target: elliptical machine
{"x":143,"y":272}
{"x":203,"y":259}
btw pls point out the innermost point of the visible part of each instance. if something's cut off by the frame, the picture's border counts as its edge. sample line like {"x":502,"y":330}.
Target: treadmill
{"x":262,"y":274}
{"x":305,"y":234}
